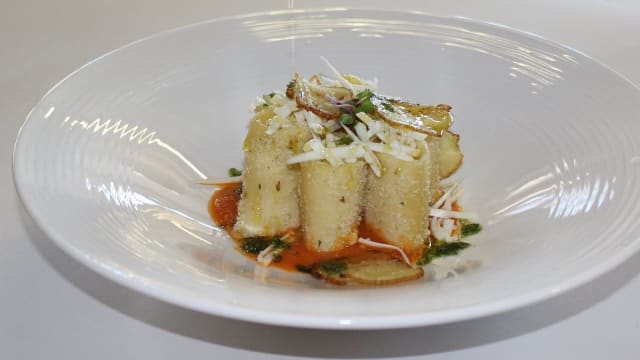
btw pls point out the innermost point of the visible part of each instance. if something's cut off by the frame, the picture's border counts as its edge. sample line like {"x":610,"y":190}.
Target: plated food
{"x":555,"y":182}
{"x":346,"y":184}
{"x":548,"y":182}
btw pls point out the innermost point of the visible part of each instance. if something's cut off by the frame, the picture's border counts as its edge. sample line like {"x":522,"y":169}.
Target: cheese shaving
{"x":448,"y":194}
{"x":339,"y":76}
{"x":450,"y":214}
{"x":265,"y":257}
{"x":284,"y":110}
{"x":369,"y":136}
{"x":220,"y":181}
{"x":369,"y":242}
{"x":442,"y":229}
{"x":315,"y":123}
{"x":365,"y":118}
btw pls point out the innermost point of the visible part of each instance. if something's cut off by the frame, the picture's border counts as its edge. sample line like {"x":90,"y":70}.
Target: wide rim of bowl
{"x":377,"y":322}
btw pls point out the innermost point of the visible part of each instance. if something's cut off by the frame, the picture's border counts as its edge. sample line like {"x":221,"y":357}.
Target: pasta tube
{"x":331,"y":203}
{"x":397,"y":203}
{"x":269,"y":201}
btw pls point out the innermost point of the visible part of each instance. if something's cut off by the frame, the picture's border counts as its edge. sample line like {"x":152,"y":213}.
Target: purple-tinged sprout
{"x":347,"y":107}
{"x":333,"y":100}
{"x":343,"y":105}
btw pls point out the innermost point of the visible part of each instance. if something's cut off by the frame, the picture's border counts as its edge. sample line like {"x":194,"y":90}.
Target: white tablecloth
{"x":51,"y":307}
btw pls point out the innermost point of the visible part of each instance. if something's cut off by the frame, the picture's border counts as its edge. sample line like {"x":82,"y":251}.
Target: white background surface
{"x":52,"y":307}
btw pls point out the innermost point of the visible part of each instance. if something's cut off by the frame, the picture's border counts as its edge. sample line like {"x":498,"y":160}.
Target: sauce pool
{"x":223,"y":205}
{"x":223,"y":209}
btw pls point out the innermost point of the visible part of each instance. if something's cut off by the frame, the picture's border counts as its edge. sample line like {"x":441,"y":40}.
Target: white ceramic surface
{"x":106,"y":160}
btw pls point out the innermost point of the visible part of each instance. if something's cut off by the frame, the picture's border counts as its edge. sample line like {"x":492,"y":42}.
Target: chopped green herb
{"x":254,"y":245}
{"x":388,"y":107}
{"x":365,"y":94}
{"x":303,"y":268}
{"x":347,"y":119}
{"x":469,"y":229}
{"x":333,"y":267}
{"x":365,"y":106}
{"x":344,"y":140}
{"x":271,"y":94}
{"x":291,"y":84}
{"x":235,"y":172}
{"x":277,"y":257}
{"x":441,"y":249}
{"x":278,"y":243}
{"x":448,"y":249}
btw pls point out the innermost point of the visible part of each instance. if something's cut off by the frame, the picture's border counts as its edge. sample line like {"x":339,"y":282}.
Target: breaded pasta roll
{"x":331,"y":200}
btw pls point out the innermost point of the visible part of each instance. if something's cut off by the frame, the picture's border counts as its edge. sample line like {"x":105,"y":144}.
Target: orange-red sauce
{"x":299,"y":255}
{"x":223,"y":209}
{"x":223,"y":205}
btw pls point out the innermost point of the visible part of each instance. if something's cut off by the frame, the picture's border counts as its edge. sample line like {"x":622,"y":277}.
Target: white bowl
{"x":106,"y":161}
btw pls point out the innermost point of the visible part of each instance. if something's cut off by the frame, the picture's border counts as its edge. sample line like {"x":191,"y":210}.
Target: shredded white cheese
{"x":369,"y":242}
{"x":371,"y":85}
{"x":299,"y":117}
{"x":339,"y":76}
{"x":220,"y":180}
{"x":449,"y":194}
{"x":273,"y":125}
{"x":284,"y":110}
{"x":265,"y":257}
{"x":315,"y":123}
{"x":450,"y":214}
{"x":442,"y":229}
{"x":369,"y":135}
{"x":444,"y":218}
{"x":378,"y":137}
{"x":365,"y":118}
{"x":332,"y":125}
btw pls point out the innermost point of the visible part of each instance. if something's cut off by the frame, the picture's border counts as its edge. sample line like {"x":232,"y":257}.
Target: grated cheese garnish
{"x":339,"y":76}
{"x":448,"y":194}
{"x":369,"y":242}
{"x":369,"y":135}
{"x":450,"y":214}
{"x":220,"y":180}
{"x":265,"y":257}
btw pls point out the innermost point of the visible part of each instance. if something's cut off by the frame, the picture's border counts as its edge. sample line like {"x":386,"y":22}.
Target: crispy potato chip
{"x":427,"y":119}
{"x":372,"y":269}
